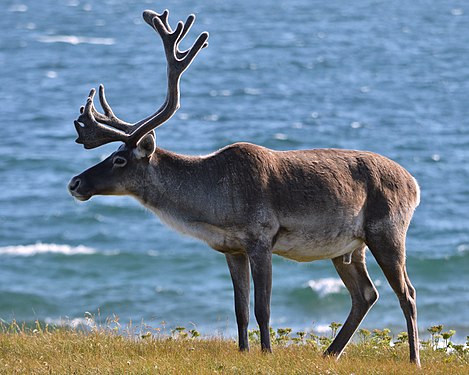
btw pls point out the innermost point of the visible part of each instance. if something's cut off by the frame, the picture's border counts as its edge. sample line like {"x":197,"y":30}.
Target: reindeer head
{"x":114,"y":175}
{"x":119,"y":174}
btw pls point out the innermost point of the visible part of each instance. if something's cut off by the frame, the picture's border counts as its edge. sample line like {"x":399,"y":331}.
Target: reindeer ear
{"x":145,"y":147}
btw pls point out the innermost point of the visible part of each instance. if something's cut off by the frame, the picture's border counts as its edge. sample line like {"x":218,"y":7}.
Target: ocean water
{"x":390,"y":77}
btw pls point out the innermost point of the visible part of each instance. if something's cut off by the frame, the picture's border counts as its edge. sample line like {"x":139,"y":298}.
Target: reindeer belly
{"x":301,"y":247}
{"x":303,"y":244}
{"x":323,"y":235}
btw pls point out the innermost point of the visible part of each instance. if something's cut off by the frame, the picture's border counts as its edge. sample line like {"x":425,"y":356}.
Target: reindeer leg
{"x":260,"y":259}
{"x":389,"y":252}
{"x":239,"y":270}
{"x":363,"y":293}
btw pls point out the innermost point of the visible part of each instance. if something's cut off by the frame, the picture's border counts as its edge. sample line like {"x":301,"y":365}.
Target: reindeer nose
{"x":74,"y":184}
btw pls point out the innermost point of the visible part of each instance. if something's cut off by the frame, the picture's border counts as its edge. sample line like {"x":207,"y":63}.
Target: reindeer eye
{"x":119,"y":161}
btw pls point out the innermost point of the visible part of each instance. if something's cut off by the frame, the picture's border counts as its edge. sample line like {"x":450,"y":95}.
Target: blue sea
{"x":387,"y":76}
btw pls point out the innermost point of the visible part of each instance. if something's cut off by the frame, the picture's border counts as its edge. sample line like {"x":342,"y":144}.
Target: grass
{"x":101,"y":350}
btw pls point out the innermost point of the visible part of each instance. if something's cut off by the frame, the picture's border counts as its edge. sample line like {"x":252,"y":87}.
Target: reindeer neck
{"x":173,"y":184}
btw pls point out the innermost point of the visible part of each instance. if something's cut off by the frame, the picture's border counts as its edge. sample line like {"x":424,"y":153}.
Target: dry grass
{"x":71,"y":351}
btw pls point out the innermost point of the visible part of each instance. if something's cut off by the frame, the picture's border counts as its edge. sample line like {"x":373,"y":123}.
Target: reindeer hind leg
{"x":388,"y":248}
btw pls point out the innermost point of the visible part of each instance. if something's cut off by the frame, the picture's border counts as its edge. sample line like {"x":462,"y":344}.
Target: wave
{"x":43,"y":248}
{"x":463,"y":249}
{"x":321,"y":328}
{"x":326,"y":286}
{"x":40,"y":248}
{"x":86,"y":322}
{"x":73,"y":39}
{"x":461,"y":252}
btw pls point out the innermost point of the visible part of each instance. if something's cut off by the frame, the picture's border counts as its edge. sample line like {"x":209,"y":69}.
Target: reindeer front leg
{"x":260,"y":259}
{"x":239,"y":270}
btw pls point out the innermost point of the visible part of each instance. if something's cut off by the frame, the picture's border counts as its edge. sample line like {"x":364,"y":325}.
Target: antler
{"x":95,"y":129}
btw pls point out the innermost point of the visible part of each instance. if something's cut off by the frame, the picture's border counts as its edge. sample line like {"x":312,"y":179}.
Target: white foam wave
{"x":321,"y":328}
{"x":463,"y":249}
{"x":43,"y":248}
{"x":69,"y":322}
{"x":326,"y":286}
{"x":73,"y":39}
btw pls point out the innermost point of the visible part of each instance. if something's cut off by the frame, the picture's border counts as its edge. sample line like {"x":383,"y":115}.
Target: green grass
{"x":101,"y":350}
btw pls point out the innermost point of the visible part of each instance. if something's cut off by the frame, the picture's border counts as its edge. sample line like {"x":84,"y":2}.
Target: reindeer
{"x":249,"y":202}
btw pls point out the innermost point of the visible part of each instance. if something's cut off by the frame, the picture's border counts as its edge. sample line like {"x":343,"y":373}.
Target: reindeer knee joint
{"x":371,"y":295}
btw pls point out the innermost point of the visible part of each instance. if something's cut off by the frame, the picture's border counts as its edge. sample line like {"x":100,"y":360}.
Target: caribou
{"x":250,"y":202}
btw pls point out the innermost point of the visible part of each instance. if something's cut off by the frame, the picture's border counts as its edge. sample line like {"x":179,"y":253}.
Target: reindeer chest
{"x":225,"y":240}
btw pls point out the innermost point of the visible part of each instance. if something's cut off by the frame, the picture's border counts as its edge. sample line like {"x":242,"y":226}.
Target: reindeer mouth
{"x":81,"y":198}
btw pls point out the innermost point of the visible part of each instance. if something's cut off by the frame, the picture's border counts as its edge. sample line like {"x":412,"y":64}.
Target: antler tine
{"x":89,"y":104}
{"x":149,"y":15}
{"x":88,"y":109}
{"x":164,"y":18}
{"x":95,"y":129}
{"x":109,"y":117}
{"x":104,"y":104}
{"x":187,"y":26}
{"x":192,"y":52}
